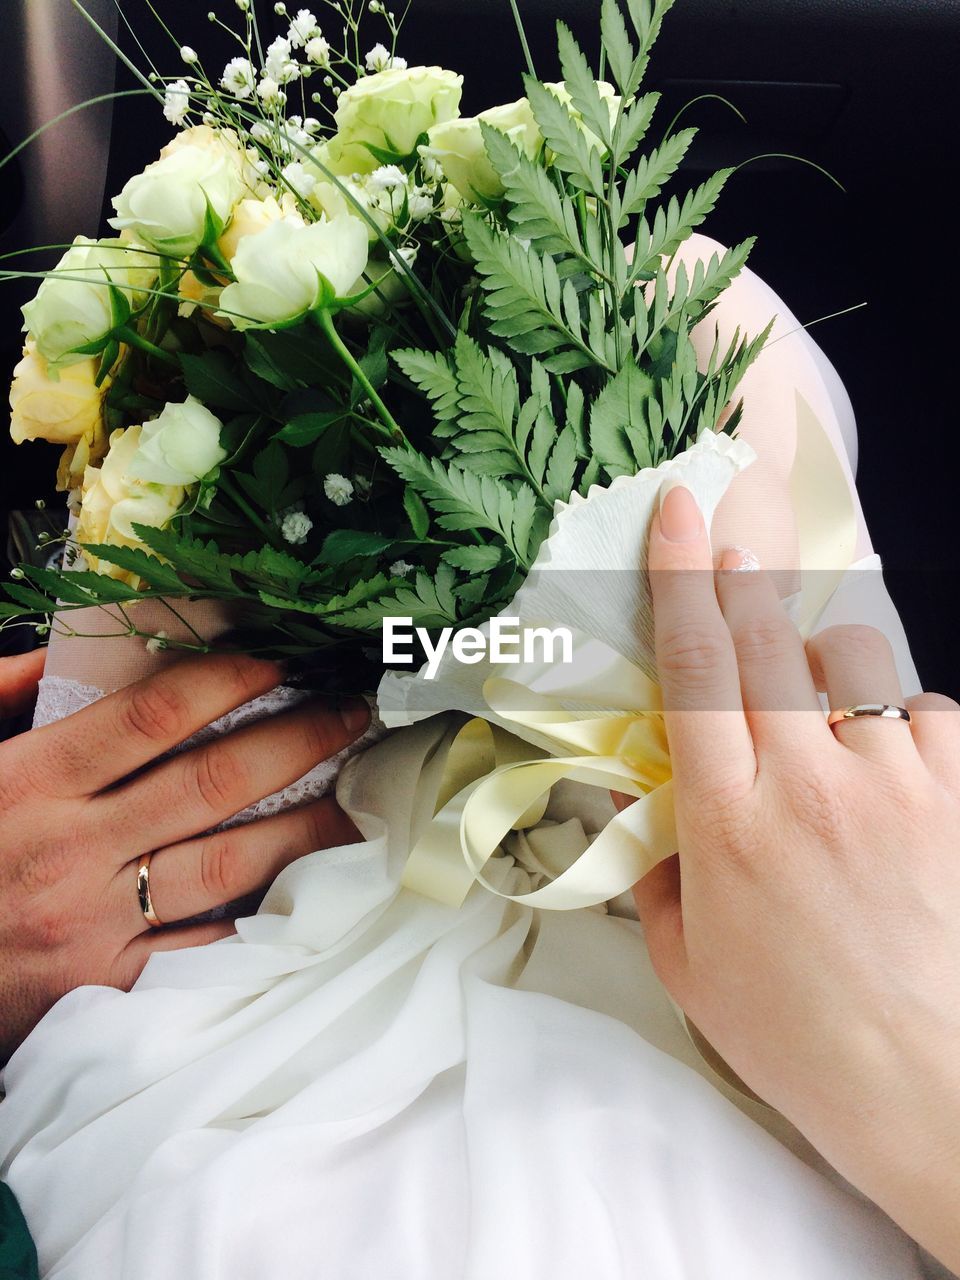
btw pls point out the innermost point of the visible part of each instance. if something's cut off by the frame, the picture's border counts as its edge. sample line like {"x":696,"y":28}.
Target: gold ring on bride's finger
{"x":864,"y":710}
{"x":143,"y":892}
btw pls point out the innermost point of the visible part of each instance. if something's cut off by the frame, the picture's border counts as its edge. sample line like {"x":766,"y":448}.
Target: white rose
{"x":457,"y":146}
{"x":73,"y":312}
{"x":113,"y":502}
{"x":167,"y":204}
{"x":281,"y":272}
{"x":390,"y":111}
{"x":180,"y":447}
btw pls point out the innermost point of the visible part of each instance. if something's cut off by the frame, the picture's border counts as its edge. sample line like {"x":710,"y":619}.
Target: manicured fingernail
{"x":355,"y":715}
{"x":739,"y":560}
{"x":680,"y":518}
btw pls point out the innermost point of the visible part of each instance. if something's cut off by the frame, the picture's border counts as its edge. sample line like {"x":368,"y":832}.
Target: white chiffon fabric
{"x":366,"y":1084}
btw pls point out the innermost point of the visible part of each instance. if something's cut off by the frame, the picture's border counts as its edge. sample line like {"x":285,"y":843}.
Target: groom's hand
{"x":81,"y":800}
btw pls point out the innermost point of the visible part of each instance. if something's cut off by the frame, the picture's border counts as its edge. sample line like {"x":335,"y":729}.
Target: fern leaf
{"x":572,"y":153}
{"x":671,"y":226}
{"x":653,"y":171}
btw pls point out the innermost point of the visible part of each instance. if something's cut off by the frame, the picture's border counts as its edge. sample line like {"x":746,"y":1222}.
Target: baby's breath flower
{"x":378,"y":59}
{"x":318,"y":51}
{"x":420,"y":203}
{"x":431,"y":168}
{"x":389,"y":177}
{"x":302,"y":28}
{"x":278,"y":64}
{"x":243,"y":5}
{"x":295,"y":527}
{"x":400,"y":569}
{"x":297,"y":178}
{"x":280,"y":10}
{"x":157,"y":643}
{"x":209,"y":119}
{"x":408,"y":252}
{"x":375,"y":6}
{"x":338,"y":489}
{"x":188,"y":55}
{"x":311,"y":126}
{"x":239,"y":78}
{"x":270,"y":92}
{"x":260,"y":132}
{"x":176,"y":102}
{"x":18,"y":574}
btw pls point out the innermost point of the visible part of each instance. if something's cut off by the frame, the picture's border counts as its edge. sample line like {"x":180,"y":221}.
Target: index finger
{"x":696,"y":660}
{"x":124,"y":731}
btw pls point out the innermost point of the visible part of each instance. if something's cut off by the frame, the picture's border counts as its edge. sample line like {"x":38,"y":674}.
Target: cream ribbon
{"x":495,"y":782}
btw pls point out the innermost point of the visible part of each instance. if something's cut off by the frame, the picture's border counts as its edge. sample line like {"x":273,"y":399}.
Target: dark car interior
{"x":864,"y":88}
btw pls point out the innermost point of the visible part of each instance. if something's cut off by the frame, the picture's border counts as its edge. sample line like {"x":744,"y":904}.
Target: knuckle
{"x":156,"y":711}
{"x":865,"y":644}
{"x":219,"y":778}
{"x":764,"y":640}
{"x":937,"y":703}
{"x":690,"y":652}
{"x":218,"y":869}
{"x":245,"y":676}
{"x":816,"y":802}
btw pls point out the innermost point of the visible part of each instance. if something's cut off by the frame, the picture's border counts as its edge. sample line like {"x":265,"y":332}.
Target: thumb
{"x":19,"y":677}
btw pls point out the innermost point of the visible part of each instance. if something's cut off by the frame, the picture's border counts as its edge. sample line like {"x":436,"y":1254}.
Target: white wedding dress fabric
{"x":364,"y":1083}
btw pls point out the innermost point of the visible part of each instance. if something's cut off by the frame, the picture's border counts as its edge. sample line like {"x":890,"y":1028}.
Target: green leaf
{"x":652,"y":173}
{"x":435,"y":376}
{"x":429,"y":602}
{"x":465,"y":500}
{"x":674,"y":224}
{"x":523,"y":299}
{"x":581,"y":84}
{"x":343,"y":545}
{"x":474,"y":559}
{"x":534,"y":205}
{"x":307,"y":428}
{"x":416,"y":513}
{"x":160,"y":576}
{"x":215,"y":381}
{"x":616,"y":42}
{"x":29,"y":598}
{"x":620,"y":404}
{"x":572,"y":152}
{"x":271,"y":471}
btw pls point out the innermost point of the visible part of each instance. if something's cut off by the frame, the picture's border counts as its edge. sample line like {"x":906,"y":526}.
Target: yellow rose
{"x":63,"y":410}
{"x":113,"y":502}
{"x":251,"y":217}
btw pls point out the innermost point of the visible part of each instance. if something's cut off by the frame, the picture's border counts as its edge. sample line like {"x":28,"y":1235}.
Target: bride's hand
{"x":82,"y":799}
{"x":810,"y":926}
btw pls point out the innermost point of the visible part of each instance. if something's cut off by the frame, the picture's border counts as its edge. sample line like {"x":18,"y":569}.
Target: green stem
{"x":390,"y":426}
{"x":134,"y":339}
{"x":226,"y":485}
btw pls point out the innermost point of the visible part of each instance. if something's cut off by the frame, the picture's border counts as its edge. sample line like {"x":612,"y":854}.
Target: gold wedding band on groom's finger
{"x":866,"y":710}
{"x":143,"y":892}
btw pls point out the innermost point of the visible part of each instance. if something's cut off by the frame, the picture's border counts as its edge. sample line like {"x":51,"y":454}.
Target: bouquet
{"x":348,"y":350}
